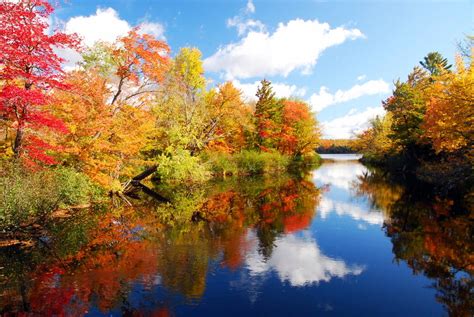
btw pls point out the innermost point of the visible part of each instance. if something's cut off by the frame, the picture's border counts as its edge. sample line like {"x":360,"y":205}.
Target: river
{"x":341,"y":241}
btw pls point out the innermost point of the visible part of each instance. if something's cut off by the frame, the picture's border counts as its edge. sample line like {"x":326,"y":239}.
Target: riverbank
{"x":30,"y":198}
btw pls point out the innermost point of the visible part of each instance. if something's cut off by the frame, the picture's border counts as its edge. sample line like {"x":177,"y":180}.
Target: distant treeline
{"x":336,"y":146}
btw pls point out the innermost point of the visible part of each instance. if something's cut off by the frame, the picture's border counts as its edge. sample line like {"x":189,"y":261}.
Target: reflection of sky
{"x":340,"y":177}
{"x":345,"y":264}
{"x":299,"y":260}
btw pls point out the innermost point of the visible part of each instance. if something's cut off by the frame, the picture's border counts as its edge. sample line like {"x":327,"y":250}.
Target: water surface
{"x":342,"y":241}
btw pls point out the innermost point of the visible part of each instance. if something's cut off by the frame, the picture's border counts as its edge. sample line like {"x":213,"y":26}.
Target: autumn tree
{"x":179,"y":105}
{"x":299,"y":132}
{"x":375,"y":142}
{"x":449,"y":119}
{"x":30,"y":69}
{"x":134,"y":66}
{"x":108,"y":111}
{"x":228,"y":119}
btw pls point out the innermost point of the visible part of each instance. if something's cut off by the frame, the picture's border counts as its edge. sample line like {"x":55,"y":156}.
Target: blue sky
{"x":340,"y":56}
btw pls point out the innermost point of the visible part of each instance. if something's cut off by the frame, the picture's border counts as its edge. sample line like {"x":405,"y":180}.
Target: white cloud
{"x":295,"y":45}
{"x":243,"y":24}
{"x":105,"y":25}
{"x":346,"y":126}
{"x":281,"y":90}
{"x":250,"y":8}
{"x":324,"y":98}
{"x":153,"y":28}
{"x":361,"y":77}
{"x":299,"y":261}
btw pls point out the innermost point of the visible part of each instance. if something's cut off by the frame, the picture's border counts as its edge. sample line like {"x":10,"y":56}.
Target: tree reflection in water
{"x":432,"y":234}
{"x":93,"y":261}
{"x":152,"y":258}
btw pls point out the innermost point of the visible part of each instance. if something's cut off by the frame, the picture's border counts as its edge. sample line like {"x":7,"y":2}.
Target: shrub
{"x":26,"y":194}
{"x":220,"y":163}
{"x":181,"y":166}
{"x":275,"y":162}
{"x":253,"y":162}
{"x":250,"y":162}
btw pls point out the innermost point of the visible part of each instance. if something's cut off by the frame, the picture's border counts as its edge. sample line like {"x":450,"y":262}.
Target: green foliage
{"x":407,"y":106}
{"x":220,"y":163}
{"x":435,"y":63}
{"x":268,"y":113}
{"x":73,"y":187}
{"x":254,"y":162}
{"x":28,"y":195}
{"x":181,"y":166}
{"x":375,"y":143}
{"x":99,"y":56}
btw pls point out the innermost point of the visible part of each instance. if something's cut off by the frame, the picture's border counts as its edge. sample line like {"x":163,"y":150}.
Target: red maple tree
{"x":29,"y":69}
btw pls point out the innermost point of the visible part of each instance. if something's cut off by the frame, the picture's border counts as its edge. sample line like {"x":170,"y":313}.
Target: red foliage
{"x":30,"y":69}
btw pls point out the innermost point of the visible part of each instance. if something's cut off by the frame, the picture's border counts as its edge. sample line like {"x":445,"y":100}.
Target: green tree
{"x":407,"y":107}
{"x":435,"y":63}
{"x":268,"y":112}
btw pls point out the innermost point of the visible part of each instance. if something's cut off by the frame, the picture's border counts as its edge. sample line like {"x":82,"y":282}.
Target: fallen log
{"x":145,"y":173}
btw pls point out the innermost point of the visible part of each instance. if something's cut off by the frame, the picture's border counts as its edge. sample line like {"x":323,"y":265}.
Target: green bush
{"x":274,"y":162}
{"x":250,"y":162}
{"x":181,"y":166}
{"x":253,"y":162}
{"x":26,"y":195}
{"x":220,"y":164}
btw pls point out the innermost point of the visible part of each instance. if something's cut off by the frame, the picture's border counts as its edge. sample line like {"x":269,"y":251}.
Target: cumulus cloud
{"x":281,"y":90}
{"x":105,"y":25}
{"x":353,"y":122}
{"x":299,"y":261}
{"x":324,"y":98}
{"x":361,"y":77}
{"x":295,"y":45}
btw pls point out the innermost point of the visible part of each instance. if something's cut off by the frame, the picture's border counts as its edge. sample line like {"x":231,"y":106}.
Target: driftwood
{"x":128,"y":187}
{"x":145,"y":173}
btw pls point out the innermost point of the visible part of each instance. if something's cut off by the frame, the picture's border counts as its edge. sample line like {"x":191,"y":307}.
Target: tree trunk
{"x":18,"y":142}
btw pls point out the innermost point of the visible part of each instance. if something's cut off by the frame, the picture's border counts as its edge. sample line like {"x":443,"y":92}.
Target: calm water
{"x":341,"y":157}
{"x":342,"y":241}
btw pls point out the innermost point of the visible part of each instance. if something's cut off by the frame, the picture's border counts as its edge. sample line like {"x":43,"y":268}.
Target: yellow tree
{"x":449,"y":119}
{"x":228,"y":120}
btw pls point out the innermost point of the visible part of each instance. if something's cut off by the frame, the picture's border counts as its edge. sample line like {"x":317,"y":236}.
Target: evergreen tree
{"x":268,"y":111}
{"x":435,"y":63}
